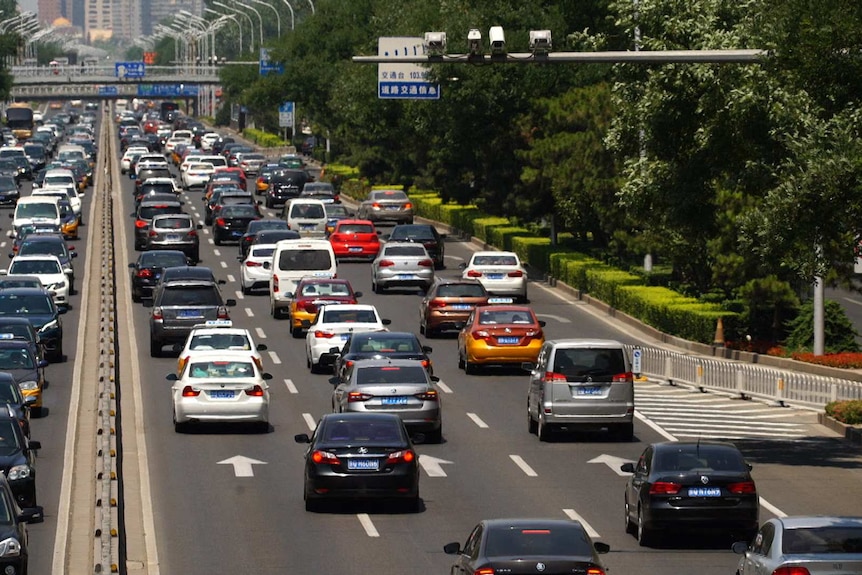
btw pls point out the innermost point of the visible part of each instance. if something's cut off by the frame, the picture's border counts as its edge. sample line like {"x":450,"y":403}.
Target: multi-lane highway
{"x":227,"y":500}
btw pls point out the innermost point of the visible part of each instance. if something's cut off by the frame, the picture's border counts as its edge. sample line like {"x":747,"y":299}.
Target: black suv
{"x":18,"y":458}
{"x":13,"y":529}
{"x":376,"y":345}
{"x":284,"y":185}
{"x":424,"y":234}
{"x":37,"y":305}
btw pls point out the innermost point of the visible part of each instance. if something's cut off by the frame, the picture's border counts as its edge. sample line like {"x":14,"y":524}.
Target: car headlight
{"x":53,"y":324}
{"x":10,"y":547}
{"x":29,"y":385}
{"x":55,"y":286}
{"x":19,"y":472}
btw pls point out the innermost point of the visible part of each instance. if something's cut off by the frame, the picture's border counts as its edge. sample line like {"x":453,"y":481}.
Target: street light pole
{"x":292,"y":15}
{"x":259,"y":18}
{"x":277,"y":17}
{"x":232,"y":18}
{"x":241,"y":13}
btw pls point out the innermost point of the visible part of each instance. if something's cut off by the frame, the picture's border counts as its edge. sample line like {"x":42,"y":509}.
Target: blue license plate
{"x":307,"y":226}
{"x":355,"y":249}
{"x":461,"y":306}
{"x":236,"y":233}
{"x":390,"y":208}
{"x":344,"y":337}
{"x":405,"y":276}
{"x":189,"y":313}
{"x":399,"y":400}
{"x":222,"y":394}
{"x":173,"y":237}
{"x":508,"y":340}
{"x":704,"y":492}
{"x":362,"y":464}
{"x":589,"y":391}
{"x":494,"y":276}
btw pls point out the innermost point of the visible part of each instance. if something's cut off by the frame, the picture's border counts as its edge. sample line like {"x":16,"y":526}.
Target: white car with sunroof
{"x":333,"y":325}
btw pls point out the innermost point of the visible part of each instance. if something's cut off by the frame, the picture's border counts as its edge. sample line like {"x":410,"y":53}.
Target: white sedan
{"x":219,"y":335}
{"x":252,"y":273}
{"x":197,"y":174}
{"x":501,"y":273}
{"x":332,"y":326}
{"x":50,"y":272}
{"x":131,"y":151}
{"x":220,"y":387}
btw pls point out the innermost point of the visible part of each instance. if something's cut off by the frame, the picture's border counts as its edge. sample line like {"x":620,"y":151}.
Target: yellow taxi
{"x":69,"y":228}
{"x":499,"y":335}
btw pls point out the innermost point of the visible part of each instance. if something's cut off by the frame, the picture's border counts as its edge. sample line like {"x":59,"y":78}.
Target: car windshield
{"x":16,"y":358}
{"x":355,"y":229}
{"x":690,"y":457}
{"x":162,"y":259}
{"x":537,"y":541}
{"x":309,"y":259}
{"x":311,"y":211}
{"x":53,"y":248}
{"x":35,"y":267}
{"x":228,"y":369}
{"x":829,"y":539}
{"x":495,"y":260}
{"x":36,"y":210}
{"x":411,"y":233}
{"x":14,"y":304}
{"x":387,"y":343}
{"x":377,"y":432}
{"x":325,"y":289}
{"x":390,"y":374}
{"x":207,"y":341}
{"x":461,"y":290}
{"x":348,"y":316}
{"x":506,"y":316}
{"x":416,"y":251}
{"x":9,"y":393}
{"x":190,"y":296}
{"x":172,"y":223}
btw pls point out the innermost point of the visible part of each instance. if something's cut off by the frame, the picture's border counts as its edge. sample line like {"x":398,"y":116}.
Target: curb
{"x":852,"y":433}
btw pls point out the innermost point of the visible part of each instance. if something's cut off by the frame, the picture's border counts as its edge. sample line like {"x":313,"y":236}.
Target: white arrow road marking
{"x":260,"y":333}
{"x":477,"y":420}
{"x":242,"y":465}
{"x":290,"y":386}
{"x":433,"y":466}
{"x":558,"y":318}
{"x":572,"y":514}
{"x":613,"y":462}
{"x":519,"y":461}
{"x":310,"y":422}
{"x":367,"y":524}
{"x":274,"y":357}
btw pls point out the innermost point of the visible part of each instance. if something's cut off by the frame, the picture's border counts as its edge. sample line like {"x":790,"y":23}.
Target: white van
{"x":35,"y":210}
{"x":65,"y":191}
{"x":307,"y":217}
{"x":291,"y":261}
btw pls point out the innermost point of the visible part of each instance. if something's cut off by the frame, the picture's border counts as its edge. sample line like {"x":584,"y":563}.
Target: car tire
{"x":155,"y":348}
{"x":413,"y":505}
{"x":532,"y":426}
{"x":245,"y":290}
{"x":136,"y":297}
{"x":460,"y":361}
{"x":378,"y":289}
{"x":216,"y":239}
{"x":543,"y":429}
{"x":643,"y":533}
{"x":631,"y":528}
{"x":430,"y":333}
{"x":263,"y":427}
{"x":269,"y":203}
{"x":470,"y":368}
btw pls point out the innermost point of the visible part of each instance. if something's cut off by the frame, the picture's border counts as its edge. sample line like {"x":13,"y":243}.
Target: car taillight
{"x":484,"y":571}
{"x":515,"y":274}
{"x":310,"y":307}
{"x":474,"y":274}
{"x":375,"y":205}
{"x":795,"y":570}
{"x":481,"y":334}
{"x":219,"y":221}
{"x":325,"y":457}
{"x":157,"y":313}
{"x":664,"y":488}
{"x":251,"y":264}
{"x":323,"y":334}
{"x":188,"y":391}
{"x":354,"y":396}
{"x":222,"y":312}
{"x":385,"y":263}
{"x":256,"y":391}
{"x":426,"y":364}
{"x":153,"y":233}
{"x":595,"y":571}
{"x":403,"y":456}
{"x":336,"y":199}
{"x":193,"y":234}
{"x":426,"y":263}
{"x":743,"y":487}
{"x":436,"y":303}
{"x":627,"y":377}
{"x":408,"y":206}
{"x":274,"y":284}
{"x":141,"y":224}
{"x":144,"y":273}
{"x":349,"y":363}
{"x":430,"y":395}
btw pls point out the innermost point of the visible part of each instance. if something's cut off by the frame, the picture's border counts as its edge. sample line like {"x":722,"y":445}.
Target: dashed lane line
{"x":217,"y":253}
{"x":230,"y":278}
{"x":477,"y":420}
{"x":248,"y":312}
{"x":223,"y":264}
{"x":290,"y":386}
{"x":239,"y":294}
{"x":443,"y":387}
{"x":572,"y":514}
{"x":367,"y":524}
{"x":310,"y":422}
{"x":519,"y":461}
{"x":274,"y":357}
{"x":260,"y":333}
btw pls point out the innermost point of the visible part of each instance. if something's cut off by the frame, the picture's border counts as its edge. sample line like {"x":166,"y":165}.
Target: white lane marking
{"x":847,"y":299}
{"x":443,"y":387}
{"x":655,"y":427}
{"x":211,"y":242}
{"x":448,"y":257}
{"x":310,"y":422}
{"x":772,"y":508}
{"x":248,"y":312}
{"x":207,"y":232}
{"x":2,"y":244}
{"x":230,"y":278}
{"x":572,"y":514}
{"x":558,"y":318}
{"x":239,"y":294}
{"x":519,"y":461}
{"x":223,"y":264}
{"x":274,"y":357}
{"x":217,"y":253}
{"x":477,"y":420}
{"x":367,"y":524}
{"x":260,"y":333}
{"x":290,"y":386}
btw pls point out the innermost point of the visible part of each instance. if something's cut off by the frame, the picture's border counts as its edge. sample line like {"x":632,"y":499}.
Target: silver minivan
{"x":580,"y":384}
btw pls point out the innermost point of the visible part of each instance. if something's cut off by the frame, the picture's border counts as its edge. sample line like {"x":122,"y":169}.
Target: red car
{"x":240,"y":174}
{"x":355,"y":239}
{"x":312,"y":292}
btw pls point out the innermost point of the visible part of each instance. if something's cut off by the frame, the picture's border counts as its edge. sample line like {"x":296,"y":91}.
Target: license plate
{"x":362,"y":464}
{"x":236,"y":233}
{"x":222,"y":394}
{"x":354,"y":249}
{"x":392,"y":208}
{"x":508,"y":340}
{"x":589,"y":391}
{"x":189,"y":313}
{"x":494,"y":276}
{"x":704,"y":492}
{"x":461,"y":306}
{"x":404,"y":277}
{"x":308,"y":226}
{"x":173,"y":237}
{"x":400,"y":400}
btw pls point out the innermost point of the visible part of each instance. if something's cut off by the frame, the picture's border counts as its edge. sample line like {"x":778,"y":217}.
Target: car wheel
{"x":460,"y":361}
{"x":470,"y":368}
{"x":216,"y":239}
{"x":532,"y":427}
{"x":269,"y":203}
{"x":413,"y":505}
{"x":245,"y":290}
{"x":378,"y":289}
{"x":263,"y":427}
{"x":155,"y":348}
{"x":543,"y":429}
{"x":136,"y":297}
{"x":631,"y":528}
{"x":644,"y":533}
{"x":179,"y":427}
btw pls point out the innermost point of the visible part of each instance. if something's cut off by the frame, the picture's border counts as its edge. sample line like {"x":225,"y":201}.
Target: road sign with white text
{"x":637,"y":360}
{"x":167,"y":90}
{"x":129,"y":69}
{"x":403,"y":81}
{"x":108,"y":91}
{"x":266,"y":66}
{"x":286,"y":115}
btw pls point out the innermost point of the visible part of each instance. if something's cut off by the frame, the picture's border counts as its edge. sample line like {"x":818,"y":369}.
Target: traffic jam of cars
{"x":196,"y":188}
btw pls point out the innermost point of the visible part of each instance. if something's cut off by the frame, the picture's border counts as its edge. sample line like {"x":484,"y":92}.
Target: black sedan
{"x":424,"y":234}
{"x":253,"y":228}
{"x":690,"y":485}
{"x":37,"y":305}
{"x":13,"y":529}
{"x":527,"y":546}
{"x":376,"y":345}
{"x":148,"y":268}
{"x":12,"y":398}
{"x":18,"y":458}
{"x":231,"y":222}
{"x":9,"y":194}
{"x":360,"y":455}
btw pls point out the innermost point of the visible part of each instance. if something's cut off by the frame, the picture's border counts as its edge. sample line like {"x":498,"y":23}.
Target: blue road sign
{"x":637,"y":360}
{"x":167,"y":90}
{"x":129,"y":69}
{"x":408,"y":91}
{"x":268,"y":67}
{"x":108,"y":91}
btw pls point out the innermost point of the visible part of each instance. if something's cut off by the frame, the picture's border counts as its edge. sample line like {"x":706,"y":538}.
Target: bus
{"x":19,"y":119}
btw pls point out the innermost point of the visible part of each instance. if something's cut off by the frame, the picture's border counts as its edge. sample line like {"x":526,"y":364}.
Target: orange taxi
{"x":499,"y":335}
{"x":312,"y":292}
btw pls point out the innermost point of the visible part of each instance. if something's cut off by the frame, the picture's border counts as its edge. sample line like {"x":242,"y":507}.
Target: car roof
{"x":809,"y":521}
{"x":188,"y":272}
{"x":354,"y":416}
{"x":585,"y":343}
{"x":663,"y":445}
{"x":456,"y":281}
{"x":526,"y":523}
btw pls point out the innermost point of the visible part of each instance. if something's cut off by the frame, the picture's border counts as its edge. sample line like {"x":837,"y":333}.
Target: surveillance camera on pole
{"x":435,"y":44}
{"x":540,"y":42}
{"x":474,"y":44}
{"x":497,"y":39}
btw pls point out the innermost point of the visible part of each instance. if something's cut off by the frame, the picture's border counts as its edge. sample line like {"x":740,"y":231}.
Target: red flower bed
{"x":846,"y":360}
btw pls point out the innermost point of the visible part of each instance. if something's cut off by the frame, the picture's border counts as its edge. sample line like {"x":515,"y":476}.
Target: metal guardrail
{"x":746,"y":380}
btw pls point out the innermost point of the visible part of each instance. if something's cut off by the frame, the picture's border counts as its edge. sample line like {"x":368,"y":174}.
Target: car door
{"x":466,"y":561}
{"x":534,"y":393}
{"x":638,"y":481}
{"x":756,"y":560}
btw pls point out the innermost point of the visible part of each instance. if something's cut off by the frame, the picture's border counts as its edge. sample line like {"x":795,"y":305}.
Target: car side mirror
{"x":462,"y":266}
{"x":30,"y":400}
{"x":32,"y":515}
{"x":289,"y":295}
{"x":230,"y":302}
{"x":427,"y":348}
{"x":34,"y":446}
{"x":199,"y":226}
{"x":542,"y":323}
{"x":266,"y":376}
{"x":444,"y":236}
{"x":357,"y":294}
{"x":435,"y":379}
{"x":627,"y":467}
{"x":172,"y":377}
{"x":386,"y":321}
{"x":452,"y":548}
{"x":261,"y":347}
{"x":73,"y":253}
{"x":601,"y":548}
{"x":740,"y":547}
{"x":302,"y":438}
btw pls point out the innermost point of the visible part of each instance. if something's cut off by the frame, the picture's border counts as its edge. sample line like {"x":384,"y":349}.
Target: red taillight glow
{"x":436,"y":303}
{"x":481,"y":335}
{"x":355,"y":396}
{"x":474,"y":274}
{"x":219,"y":221}
{"x":252,"y":264}
{"x":791,"y":571}
{"x":426,"y":263}
{"x":141,"y":224}
{"x":144,"y":273}
{"x":595,"y":571}
{"x":153,"y":233}
{"x":430,"y":395}
{"x":323,"y":334}
{"x":628,"y":376}
{"x":515,"y":274}
{"x":742,"y":488}
{"x":404,"y":456}
{"x":426,"y":364}
{"x":275,"y":284}
{"x":188,"y":391}
{"x":484,"y":571}
{"x":375,"y":205}
{"x":256,"y":391}
{"x":664,"y":488}
{"x":385,"y":263}
{"x":325,"y":457}
{"x":551,"y":376}
{"x":157,"y":313}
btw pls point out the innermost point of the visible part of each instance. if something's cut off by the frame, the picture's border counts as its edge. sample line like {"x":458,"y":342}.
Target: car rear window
{"x":192,"y":296}
{"x":832,"y":539}
{"x":375,"y":432}
{"x":227,"y":369}
{"x":348,"y":316}
{"x":325,"y":289}
{"x":164,"y":188}
{"x":262,"y":252}
{"x":546,"y":542}
{"x":389,"y":195}
{"x":703,"y":457}
{"x":593,"y":362}
{"x":356,"y":229}
{"x":172,"y":223}
{"x":162,"y":259}
{"x":412,"y":233}
{"x":371,"y":344}
{"x":493,"y":317}
{"x":311,"y":211}
{"x":404,"y":251}
{"x":308,"y":259}
{"x":495,"y":261}
{"x":239,"y":211}
{"x":461,"y":290}
{"x":390,"y":374}
{"x":17,"y":331}
{"x":147,"y":212}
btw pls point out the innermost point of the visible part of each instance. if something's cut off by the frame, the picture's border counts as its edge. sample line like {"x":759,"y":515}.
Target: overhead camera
{"x":498,"y":41}
{"x":474,"y":42}
{"x":435,"y":43}
{"x":540,"y":41}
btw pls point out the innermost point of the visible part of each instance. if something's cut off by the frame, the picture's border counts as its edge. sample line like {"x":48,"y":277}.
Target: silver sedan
{"x":399,"y":386}
{"x":402,"y":264}
{"x":814,"y":545}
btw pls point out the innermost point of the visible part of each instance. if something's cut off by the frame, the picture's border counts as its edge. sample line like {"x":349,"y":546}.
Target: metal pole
{"x":233,"y":10}
{"x":259,"y":18}
{"x":277,"y":16}
{"x":292,"y":15}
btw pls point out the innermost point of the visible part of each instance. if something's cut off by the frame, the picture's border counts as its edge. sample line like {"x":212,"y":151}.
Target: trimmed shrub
{"x":847,"y":411}
{"x":262,"y":138}
{"x":482,"y":225}
{"x":534,"y":251}
{"x":343,"y":170}
{"x":501,"y":236}
{"x":355,"y":188}
{"x":846,"y":360}
{"x":602,"y":282}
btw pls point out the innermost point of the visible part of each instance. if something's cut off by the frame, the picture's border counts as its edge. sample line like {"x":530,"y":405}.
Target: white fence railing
{"x":746,"y":380}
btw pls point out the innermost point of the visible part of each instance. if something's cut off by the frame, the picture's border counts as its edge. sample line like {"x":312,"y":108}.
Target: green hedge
{"x":502,"y":236}
{"x":534,"y":251}
{"x":262,"y":138}
{"x":603,"y":282}
{"x":481,"y":226}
